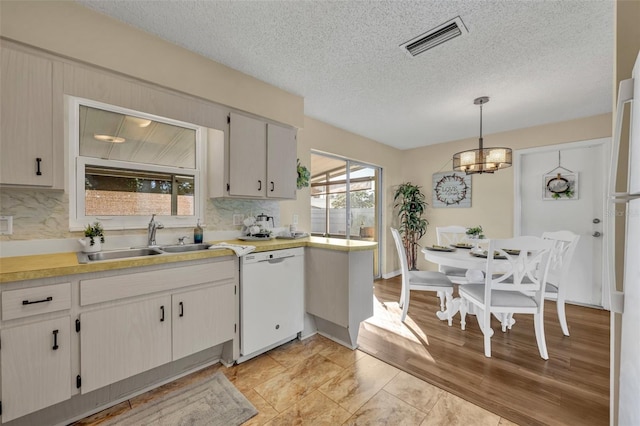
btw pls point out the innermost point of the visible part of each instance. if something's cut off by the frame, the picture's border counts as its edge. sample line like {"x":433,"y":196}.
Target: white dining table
{"x":458,"y":258}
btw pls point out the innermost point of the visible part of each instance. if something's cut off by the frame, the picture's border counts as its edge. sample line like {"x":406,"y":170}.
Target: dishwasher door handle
{"x":277,"y":260}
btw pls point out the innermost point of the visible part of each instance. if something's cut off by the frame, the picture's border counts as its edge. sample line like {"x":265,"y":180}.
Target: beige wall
{"x":492,"y":195}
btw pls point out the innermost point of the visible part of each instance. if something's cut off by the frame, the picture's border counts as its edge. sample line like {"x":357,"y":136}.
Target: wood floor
{"x":570,"y":388}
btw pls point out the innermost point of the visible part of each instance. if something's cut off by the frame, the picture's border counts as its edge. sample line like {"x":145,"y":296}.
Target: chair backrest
{"x":402,"y":255}
{"x":518,"y":264}
{"x":566,"y":243}
{"x":450,"y":234}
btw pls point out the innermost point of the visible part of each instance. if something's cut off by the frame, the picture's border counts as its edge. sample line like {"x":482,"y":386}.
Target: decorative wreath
{"x":560,"y":187}
{"x":451,"y":189}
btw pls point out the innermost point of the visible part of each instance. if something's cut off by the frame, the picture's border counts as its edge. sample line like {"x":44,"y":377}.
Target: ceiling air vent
{"x":434,"y":37}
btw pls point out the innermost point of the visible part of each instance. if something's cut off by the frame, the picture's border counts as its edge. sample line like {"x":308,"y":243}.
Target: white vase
{"x":87,"y":247}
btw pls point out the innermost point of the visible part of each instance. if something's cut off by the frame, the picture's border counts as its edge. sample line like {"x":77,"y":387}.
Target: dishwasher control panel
{"x":271,"y":255}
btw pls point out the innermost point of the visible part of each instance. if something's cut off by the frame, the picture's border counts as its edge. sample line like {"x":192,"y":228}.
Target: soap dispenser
{"x":197,"y":233}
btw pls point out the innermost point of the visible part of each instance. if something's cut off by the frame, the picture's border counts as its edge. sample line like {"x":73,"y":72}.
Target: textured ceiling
{"x":539,"y":61}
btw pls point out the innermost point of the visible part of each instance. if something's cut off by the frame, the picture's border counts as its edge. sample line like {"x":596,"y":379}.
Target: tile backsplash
{"x":43,"y":214}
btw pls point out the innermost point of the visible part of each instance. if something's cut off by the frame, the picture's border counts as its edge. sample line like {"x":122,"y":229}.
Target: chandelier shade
{"x":482,"y":160}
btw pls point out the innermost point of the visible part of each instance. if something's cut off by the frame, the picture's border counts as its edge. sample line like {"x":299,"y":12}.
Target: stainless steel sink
{"x":181,"y":248}
{"x":117,"y":254}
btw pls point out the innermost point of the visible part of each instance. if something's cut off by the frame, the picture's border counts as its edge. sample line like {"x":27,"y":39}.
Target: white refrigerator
{"x":625,"y":301}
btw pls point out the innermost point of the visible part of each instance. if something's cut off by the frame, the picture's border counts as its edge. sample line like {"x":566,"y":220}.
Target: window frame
{"x":77,"y":164}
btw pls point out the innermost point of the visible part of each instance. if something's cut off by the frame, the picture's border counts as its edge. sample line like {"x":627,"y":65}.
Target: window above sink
{"x":126,"y":165}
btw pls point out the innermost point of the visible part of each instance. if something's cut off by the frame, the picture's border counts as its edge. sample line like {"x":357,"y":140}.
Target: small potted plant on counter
{"x":90,"y":243}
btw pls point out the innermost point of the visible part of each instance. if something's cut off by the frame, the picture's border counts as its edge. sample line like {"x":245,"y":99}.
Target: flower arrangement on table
{"x":475,"y":232}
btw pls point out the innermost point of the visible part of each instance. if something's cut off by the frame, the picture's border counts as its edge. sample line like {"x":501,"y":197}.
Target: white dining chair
{"x":446,"y":236}
{"x":559,"y":263}
{"x":421,"y":280}
{"x":514,"y":284}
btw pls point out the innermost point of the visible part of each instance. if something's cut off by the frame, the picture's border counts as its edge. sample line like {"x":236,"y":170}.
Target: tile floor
{"x":319,"y":382}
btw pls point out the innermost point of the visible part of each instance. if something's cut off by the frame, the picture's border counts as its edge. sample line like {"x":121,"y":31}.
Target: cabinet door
{"x":122,"y":341}
{"x":202,"y":318}
{"x":281,"y":162}
{"x":247,"y":156}
{"x":36,"y":366}
{"x":26,"y":128}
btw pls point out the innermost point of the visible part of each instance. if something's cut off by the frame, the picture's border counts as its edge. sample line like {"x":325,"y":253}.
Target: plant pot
{"x":87,"y":247}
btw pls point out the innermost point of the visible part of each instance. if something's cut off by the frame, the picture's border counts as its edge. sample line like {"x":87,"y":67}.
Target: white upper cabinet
{"x":281,"y":162}
{"x":31,"y":121}
{"x":257,"y":161}
{"x":247,"y":153}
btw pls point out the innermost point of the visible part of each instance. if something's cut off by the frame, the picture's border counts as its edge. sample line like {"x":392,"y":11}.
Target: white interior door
{"x":583,"y":214}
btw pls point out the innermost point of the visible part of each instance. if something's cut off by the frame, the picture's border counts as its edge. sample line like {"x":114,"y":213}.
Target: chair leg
{"x":507,"y":321}
{"x":562,"y":317}
{"x":463,"y":313}
{"x":504,"y":319}
{"x":442,"y":301}
{"x":405,"y":305}
{"x":542,"y":343}
{"x":487,"y":344}
{"x":449,"y":311}
{"x":484,"y":322}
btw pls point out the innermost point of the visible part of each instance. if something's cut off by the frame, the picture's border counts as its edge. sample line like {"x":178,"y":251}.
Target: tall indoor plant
{"x":411,"y":205}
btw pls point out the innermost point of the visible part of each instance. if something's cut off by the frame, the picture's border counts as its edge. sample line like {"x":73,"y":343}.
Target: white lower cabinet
{"x":65,"y":343}
{"x":153,"y":317}
{"x":122,"y":341}
{"x":202,"y":318}
{"x":36,"y":366}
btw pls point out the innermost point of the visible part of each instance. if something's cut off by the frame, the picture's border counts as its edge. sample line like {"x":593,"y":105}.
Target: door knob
{"x":596,"y":220}
{"x":596,"y":234}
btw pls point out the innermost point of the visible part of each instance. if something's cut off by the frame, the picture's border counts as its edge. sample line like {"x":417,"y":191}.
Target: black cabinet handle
{"x":38,"y":161}
{"x":181,"y":309}
{"x":273,"y":186}
{"x":31,"y":302}
{"x":162,"y":313}
{"x":55,"y":340}
{"x":259,"y":185}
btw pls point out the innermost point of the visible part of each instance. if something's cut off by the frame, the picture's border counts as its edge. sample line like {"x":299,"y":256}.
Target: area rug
{"x":211,"y":402}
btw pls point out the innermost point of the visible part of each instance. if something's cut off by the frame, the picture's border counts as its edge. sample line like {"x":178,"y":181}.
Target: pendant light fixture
{"x":482,"y":160}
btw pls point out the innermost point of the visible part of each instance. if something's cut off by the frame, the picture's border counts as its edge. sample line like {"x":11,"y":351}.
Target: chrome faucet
{"x":151,"y":231}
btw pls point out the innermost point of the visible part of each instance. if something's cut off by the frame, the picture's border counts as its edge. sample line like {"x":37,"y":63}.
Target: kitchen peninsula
{"x":184,"y":307}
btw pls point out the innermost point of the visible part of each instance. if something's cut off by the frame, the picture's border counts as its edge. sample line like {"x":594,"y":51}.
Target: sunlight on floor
{"x":386,"y":319}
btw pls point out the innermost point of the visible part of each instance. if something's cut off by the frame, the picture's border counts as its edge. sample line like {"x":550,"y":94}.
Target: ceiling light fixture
{"x":482,"y":160}
{"x":107,"y":138}
{"x":140,"y":122}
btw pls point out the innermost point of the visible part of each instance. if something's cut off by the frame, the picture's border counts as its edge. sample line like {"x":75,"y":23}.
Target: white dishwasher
{"x":271,"y":300}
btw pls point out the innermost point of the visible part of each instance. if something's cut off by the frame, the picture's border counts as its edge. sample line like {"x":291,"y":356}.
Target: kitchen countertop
{"x":20,"y":268}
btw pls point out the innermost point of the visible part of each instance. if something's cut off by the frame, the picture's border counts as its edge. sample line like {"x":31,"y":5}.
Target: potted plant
{"x":303,"y":176}
{"x":90,"y":243}
{"x":475,"y":232}
{"x":411,"y":205}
